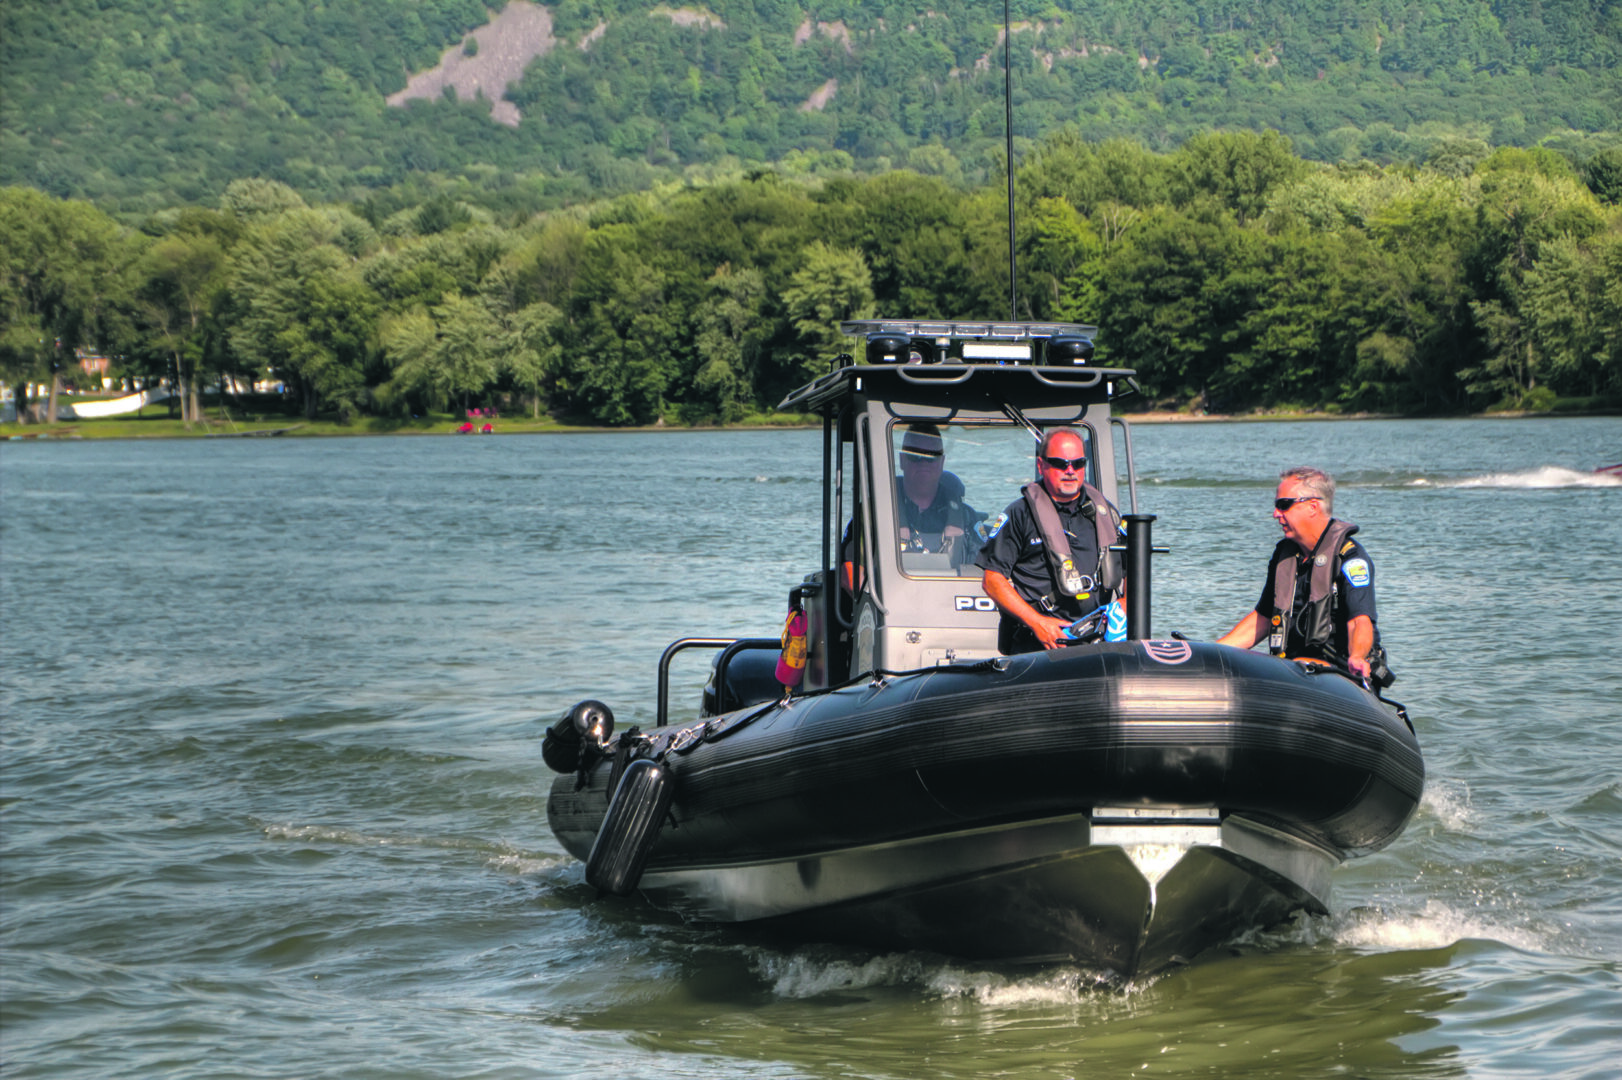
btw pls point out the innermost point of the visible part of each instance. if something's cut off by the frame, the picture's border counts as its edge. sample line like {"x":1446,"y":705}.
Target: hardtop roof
{"x":967,"y":386}
{"x":956,"y":382}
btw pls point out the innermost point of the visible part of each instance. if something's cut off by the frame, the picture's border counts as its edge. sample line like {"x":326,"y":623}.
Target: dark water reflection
{"x":905,"y":1016}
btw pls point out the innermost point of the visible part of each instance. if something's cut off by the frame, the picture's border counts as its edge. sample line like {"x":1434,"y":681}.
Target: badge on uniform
{"x":1357,"y":572}
{"x":989,"y":529}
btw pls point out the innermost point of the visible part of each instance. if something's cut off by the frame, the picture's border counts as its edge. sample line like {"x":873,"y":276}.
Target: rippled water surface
{"x":272,"y":802}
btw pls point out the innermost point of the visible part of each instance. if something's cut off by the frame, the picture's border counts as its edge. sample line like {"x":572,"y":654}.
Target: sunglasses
{"x":1064,"y":464}
{"x":1282,"y":505}
{"x":919,"y":457}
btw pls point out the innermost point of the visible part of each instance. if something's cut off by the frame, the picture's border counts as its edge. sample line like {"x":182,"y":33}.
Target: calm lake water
{"x":272,"y":801}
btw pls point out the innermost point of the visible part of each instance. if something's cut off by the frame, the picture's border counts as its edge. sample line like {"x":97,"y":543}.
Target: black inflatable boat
{"x":1120,"y":804}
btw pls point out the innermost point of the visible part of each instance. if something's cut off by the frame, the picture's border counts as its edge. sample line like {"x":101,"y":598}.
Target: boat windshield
{"x":952,"y":484}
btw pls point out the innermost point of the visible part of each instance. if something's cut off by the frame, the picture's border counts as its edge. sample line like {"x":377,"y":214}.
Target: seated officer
{"x":1048,"y":565}
{"x":931,"y":516}
{"x":930,"y":512}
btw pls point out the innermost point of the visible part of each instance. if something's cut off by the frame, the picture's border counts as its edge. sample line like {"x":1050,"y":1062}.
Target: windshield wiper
{"x":1012,"y":412}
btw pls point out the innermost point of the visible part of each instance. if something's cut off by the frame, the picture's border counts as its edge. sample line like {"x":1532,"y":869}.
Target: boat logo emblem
{"x":1168,"y":652}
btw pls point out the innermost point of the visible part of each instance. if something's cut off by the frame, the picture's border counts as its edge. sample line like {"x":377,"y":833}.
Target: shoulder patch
{"x":1357,"y":572}
{"x":994,"y":526}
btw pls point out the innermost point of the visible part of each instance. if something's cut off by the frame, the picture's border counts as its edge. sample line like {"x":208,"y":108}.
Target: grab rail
{"x":1069,"y":378}
{"x":926,"y":376}
{"x":1131,"y":465}
{"x":661,"y":719}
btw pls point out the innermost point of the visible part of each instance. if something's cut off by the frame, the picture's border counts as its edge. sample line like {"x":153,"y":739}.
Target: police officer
{"x":931,"y":515}
{"x":930,"y":511}
{"x":1318,"y":602}
{"x":1026,"y":577}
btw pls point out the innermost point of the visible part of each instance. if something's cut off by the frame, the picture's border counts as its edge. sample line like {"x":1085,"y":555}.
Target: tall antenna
{"x":1008,"y":128}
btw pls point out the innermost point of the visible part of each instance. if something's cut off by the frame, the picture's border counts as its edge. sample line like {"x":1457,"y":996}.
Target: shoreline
{"x":290,"y":428}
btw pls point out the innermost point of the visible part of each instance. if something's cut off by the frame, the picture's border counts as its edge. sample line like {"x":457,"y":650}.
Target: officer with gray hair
{"x":1318,"y":601}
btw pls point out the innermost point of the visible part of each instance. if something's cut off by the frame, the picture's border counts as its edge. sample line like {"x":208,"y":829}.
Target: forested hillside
{"x":1230,"y":272}
{"x":140,"y":104}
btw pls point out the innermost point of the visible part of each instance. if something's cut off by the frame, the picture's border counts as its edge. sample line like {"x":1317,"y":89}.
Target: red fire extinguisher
{"x":791,"y":664}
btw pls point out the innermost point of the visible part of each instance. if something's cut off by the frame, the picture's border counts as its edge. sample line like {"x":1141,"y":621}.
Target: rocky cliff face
{"x":498,"y":53}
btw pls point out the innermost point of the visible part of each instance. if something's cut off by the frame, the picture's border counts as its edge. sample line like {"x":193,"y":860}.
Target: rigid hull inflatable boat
{"x":1123,"y":804}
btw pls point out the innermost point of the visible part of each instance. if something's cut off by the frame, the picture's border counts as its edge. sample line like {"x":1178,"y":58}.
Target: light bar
{"x":985,"y":350}
{"x":965,"y":331}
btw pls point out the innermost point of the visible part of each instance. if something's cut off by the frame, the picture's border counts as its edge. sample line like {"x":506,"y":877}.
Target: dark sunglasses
{"x":1282,"y":505}
{"x":919,"y":457}
{"x":1061,"y":464}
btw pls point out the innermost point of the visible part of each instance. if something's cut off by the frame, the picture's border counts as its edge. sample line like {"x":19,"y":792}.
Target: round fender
{"x":579,"y":737}
{"x":629,"y":829}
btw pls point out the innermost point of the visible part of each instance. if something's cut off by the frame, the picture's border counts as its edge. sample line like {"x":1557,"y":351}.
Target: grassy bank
{"x":162,"y":427}
{"x":154,"y":422}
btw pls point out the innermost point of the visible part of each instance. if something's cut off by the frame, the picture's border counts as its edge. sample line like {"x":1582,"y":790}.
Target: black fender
{"x":636,"y":812}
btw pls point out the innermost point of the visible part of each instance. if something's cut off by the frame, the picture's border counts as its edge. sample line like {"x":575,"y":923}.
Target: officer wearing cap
{"x":930,"y":512}
{"x":931,"y":515}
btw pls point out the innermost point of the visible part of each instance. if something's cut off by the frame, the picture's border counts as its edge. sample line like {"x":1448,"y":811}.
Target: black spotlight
{"x":885,"y":348}
{"x":1067,"y":349}
{"x":922,"y":351}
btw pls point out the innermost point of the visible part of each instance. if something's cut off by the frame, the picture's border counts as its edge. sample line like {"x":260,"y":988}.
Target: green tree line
{"x":1230,"y":273}
{"x":137,"y":105}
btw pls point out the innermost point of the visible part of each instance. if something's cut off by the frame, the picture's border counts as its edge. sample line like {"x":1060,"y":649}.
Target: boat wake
{"x":1437,"y":925}
{"x":499,"y":856}
{"x":819,"y":970}
{"x":1449,"y":802}
{"x":1545,"y":476}
{"x":527,"y":865}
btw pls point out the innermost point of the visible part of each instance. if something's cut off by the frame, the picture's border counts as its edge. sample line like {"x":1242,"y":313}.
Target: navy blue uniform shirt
{"x":1354,"y":596}
{"x":1016,"y":552}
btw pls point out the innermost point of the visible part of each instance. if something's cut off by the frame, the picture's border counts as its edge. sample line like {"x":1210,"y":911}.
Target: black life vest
{"x":1316,"y":621}
{"x":1068,"y":579}
{"x":948,"y":509}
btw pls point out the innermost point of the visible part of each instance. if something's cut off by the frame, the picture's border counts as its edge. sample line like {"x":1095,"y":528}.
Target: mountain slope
{"x":145,"y":104}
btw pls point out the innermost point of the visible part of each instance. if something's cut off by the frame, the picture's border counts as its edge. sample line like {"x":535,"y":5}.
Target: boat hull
{"x":1119,"y":805}
{"x":1129,"y":898}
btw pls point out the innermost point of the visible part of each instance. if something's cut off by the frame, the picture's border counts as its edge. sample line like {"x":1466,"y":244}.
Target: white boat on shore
{"x":95,"y":410}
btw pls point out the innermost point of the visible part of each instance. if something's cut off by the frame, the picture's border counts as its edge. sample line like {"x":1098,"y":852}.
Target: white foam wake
{"x":499,"y":856}
{"x":1436,"y":926}
{"x":816,"y":971}
{"x":1545,"y":476}
{"x":525,"y":865}
{"x":1449,"y":802}
{"x":809,"y":973}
